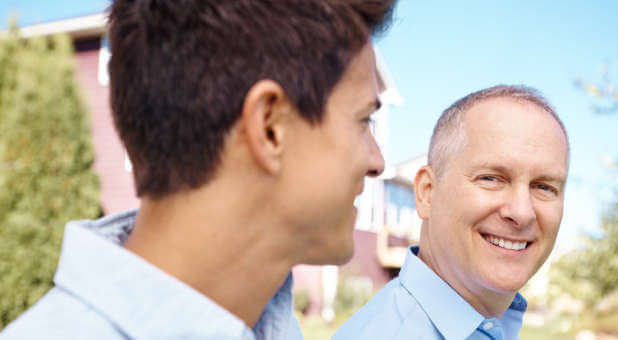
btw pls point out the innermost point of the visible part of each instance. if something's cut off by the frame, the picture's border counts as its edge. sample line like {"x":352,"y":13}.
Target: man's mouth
{"x":504,"y":243}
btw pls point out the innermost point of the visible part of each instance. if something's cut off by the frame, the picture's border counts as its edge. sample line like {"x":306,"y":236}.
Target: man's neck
{"x":218,"y":247}
{"x":488,"y":303}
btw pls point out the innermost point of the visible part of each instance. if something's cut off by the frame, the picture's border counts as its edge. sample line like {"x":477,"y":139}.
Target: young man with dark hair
{"x":247,"y":123}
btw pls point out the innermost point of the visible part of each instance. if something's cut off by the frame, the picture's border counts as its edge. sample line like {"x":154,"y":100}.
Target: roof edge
{"x":80,"y":27}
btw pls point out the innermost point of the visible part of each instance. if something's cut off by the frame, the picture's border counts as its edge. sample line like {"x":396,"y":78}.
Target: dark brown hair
{"x":180,"y":71}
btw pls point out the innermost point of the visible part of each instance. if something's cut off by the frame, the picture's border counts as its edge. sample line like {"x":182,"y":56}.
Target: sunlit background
{"x":433,"y":55}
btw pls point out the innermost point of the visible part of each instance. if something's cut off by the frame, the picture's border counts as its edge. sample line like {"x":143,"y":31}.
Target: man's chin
{"x":344,"y":258}
{"x":507,"y":286}
{"x":339,"y":256}
{"x":344,"y":252}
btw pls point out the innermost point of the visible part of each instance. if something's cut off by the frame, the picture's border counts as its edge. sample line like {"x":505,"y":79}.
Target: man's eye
{"x":491,"y":182}
{"x":368,"y":120}
{"x":547,"y":188}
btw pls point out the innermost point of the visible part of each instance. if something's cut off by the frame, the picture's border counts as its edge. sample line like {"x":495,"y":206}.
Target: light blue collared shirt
{"x":104,"y":291}
{"x":418,"y":304}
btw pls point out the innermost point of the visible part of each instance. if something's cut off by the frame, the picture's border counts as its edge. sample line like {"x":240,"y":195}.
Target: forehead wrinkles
{"x":447,"y":135}
{"x":506,"y":127}
{"x":451,"y":136}
{"x":494,"y":117}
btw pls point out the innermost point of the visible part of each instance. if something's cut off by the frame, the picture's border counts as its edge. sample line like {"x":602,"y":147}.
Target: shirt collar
{"x":139,"y":298}
{"x":450,"y":313}
{"x":273,"y":323}
{"x":513,"y":318}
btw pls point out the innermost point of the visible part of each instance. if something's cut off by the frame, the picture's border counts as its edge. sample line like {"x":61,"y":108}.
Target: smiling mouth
{"x":504,"y":243}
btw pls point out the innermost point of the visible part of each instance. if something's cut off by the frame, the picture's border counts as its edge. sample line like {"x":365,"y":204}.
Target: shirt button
{"x":488,"y":325}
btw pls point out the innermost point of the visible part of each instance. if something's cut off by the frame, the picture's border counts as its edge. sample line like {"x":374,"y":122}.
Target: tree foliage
{"x":590,"y":273}
{"x":604,"y":92}
{"x":46,"y":157}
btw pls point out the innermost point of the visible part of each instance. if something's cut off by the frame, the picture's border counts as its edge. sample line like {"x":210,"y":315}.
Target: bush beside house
{"x":46,"y":156}
{"x":588,"y":275}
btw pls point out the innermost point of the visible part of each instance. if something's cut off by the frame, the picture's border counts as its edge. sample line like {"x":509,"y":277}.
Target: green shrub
{"x":589,"y":274}
{"x":301,"y":301}
{"x":46,"y":157}
{"x":352,"y":293}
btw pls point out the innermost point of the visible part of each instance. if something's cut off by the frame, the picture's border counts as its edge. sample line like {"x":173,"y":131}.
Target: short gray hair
{"x":448,"y":135}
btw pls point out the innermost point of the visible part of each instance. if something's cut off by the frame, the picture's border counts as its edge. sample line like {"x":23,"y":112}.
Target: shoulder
{"x":393,"y":313}
{"x":59,"y":315}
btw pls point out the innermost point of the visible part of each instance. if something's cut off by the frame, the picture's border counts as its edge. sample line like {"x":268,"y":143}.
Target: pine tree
{"x":46,"y":156}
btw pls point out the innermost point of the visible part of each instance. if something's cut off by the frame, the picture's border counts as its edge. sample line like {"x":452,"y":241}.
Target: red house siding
{"x":117,"y":189}
{"x":365,"y":260}
{"x":363,"y":263}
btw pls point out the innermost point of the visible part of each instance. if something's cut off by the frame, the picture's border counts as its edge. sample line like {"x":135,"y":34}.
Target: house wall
{"x":117,"y":189}
{"x":365,"y":260}
{"x":364,"y":263}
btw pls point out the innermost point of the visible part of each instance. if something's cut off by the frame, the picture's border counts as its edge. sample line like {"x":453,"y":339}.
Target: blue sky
{"x":439,"y":53}
{"x":36,"y":11}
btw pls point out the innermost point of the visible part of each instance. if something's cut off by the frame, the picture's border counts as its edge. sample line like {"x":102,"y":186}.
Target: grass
{"x":314,"y":328}
{"x":542,"y":333}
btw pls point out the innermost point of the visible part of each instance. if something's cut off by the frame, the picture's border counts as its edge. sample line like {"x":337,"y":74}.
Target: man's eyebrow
{"x":548,"y":178}
{"x":499,"y":168}
{"x":372,"y":107}
{"x":377,"y":104}
{"x":492,"y":167}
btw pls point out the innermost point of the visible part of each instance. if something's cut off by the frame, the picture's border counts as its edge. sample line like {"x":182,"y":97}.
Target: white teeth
{"x":502,"y":243}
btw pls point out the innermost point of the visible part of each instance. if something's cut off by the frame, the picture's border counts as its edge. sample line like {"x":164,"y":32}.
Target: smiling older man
{"x":491,"y":201}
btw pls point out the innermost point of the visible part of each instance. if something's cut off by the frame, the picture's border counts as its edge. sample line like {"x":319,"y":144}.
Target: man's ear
{"x":424,"y":183}
{"x":263,"y":116}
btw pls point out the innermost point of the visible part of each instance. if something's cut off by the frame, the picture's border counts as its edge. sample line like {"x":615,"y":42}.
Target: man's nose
{"x":518,"y":207}
{"x":376,"y":160}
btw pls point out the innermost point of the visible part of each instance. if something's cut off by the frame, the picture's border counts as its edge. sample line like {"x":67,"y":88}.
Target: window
{"x":104,"y":56}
